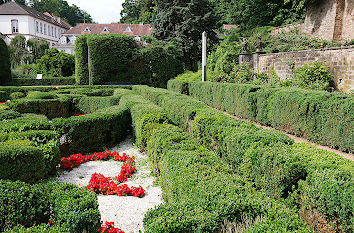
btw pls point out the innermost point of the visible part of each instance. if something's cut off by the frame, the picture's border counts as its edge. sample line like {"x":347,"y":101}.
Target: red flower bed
{"x":77,"y":159}
{"x":80,"y":114}
{"x":105,"y":185}
{"x":108,"y":227}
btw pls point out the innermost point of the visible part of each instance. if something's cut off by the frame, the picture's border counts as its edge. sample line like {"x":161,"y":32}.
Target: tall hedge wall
{"x":5,"y":72}
{"x":119,"y":59}
{"x":322,"y":117}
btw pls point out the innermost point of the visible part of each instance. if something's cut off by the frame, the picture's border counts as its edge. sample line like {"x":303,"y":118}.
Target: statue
{"x":259,"y":43}
{"x":244,"y":45}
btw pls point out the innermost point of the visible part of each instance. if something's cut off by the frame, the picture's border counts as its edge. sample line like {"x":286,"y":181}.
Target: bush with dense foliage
{"x":268,"y":159}
{"x":5,"y":72}
{"x":119,"y":59}
{"x":56,"y":63}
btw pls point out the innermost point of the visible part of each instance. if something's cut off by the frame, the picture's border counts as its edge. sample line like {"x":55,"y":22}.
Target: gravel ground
{"x":126,"y":212}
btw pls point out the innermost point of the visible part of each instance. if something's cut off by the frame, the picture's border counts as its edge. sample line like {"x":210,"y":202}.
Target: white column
{"x":204,"y":55}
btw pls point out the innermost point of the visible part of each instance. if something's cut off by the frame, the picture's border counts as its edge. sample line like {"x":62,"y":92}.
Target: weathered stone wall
{"x":339,"y":60}
{"x":330,"y":20}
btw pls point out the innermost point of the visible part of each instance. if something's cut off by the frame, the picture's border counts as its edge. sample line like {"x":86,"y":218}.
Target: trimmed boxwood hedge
{"x":42,"y":82}
{"x":322,"y":117}
{"x":269,"y":159}
{"x":93,"y":132}
{"x":72,"y":209}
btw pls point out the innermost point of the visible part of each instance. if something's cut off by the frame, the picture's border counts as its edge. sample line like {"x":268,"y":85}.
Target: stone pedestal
{"x":245,"y":58}
{"x":255,"y":61}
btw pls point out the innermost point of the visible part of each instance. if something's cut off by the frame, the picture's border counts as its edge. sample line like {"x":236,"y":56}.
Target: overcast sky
{"x":102,"y":11}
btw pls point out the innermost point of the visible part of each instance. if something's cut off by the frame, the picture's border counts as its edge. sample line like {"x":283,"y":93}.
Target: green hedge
{"x":45,"y":104}
{"x":92,"y":104}
{"x":199,"y":189}
{"x":119,"y":59}
{"x":72,"y":209}
{"x":269,"y":158}
{"x":325,"y":118}
{"x":93,"y":132}
{"x":5,"y":71}
{"x":42,"y":82}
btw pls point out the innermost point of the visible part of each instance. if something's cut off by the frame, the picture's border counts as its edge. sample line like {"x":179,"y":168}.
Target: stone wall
{"x":339,"y":60}
{"x":330,"y":20}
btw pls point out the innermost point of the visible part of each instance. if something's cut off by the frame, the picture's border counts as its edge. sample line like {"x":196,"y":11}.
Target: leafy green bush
{"x":92,"y":104}
{"x":312,"y":76}
{"x":322,"y":117}
{"x":25,"y":71}
{"x":8,"y":114}
{"x":47,"y":104}
{"x":17,"y":95}
{"x":46,"y":81}
{"x":96,"y":131}
{"x":119,"y":59}
{"x":71,"y":209}
{"x":22,"y":204}
{"x":56,"y":63}
{"x":5,"y":72}
{"x":24,"y":123}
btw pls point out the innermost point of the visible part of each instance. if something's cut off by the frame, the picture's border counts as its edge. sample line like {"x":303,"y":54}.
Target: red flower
{"x":108,"y":227}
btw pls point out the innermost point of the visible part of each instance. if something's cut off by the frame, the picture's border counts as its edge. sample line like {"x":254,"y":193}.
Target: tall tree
{"x":72,"y":14}
{"x":135,"y":11}
{"x":185,"y":21}
{"x":37,"y":47}
{"x":250,"y":14}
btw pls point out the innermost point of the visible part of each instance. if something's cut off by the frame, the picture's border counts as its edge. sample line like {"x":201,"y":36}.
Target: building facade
{"x":17,"y":19}
{"x":67,"y":39}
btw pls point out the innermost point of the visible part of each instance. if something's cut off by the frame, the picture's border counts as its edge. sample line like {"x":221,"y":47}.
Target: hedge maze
{"x":215,"y":171}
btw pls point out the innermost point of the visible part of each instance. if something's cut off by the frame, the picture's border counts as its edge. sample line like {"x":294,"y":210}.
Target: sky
{"x":102,"y":11}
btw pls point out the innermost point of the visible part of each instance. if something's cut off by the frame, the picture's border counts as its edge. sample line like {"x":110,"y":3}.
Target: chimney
{"x":141,"y":23}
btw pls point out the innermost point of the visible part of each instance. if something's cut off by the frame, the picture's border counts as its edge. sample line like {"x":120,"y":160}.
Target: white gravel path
{"x":126,"y":212}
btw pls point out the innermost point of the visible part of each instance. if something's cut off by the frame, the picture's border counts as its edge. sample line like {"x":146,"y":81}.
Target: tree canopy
{"x":185,"y":21}
{"x":136,"y":11}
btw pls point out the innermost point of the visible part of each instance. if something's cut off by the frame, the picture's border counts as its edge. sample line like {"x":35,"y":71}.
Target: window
{"x":37,"y":27}
{"x":14,"y":26}
{"x":105,"y":29}
{"x":49,"y":31}
{"x":41,"y":27}
{"x":56,"y":33}
{"x":52,"y":31}
{"x":87,"y":29}
{"x":128,"y":29}
{"x":45,"y":29}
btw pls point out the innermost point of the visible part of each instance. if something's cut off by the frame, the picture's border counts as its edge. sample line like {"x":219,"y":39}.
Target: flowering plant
{"x":108,"y":227}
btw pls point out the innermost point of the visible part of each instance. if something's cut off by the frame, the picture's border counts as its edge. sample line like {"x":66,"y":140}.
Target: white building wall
{"x":27,"y":27}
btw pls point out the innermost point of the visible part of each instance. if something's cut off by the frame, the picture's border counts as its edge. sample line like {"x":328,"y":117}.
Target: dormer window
{"x":14,"y":26}
{"x":87,"y":29}
{"x":105,"y":29}
{"x":128,"y":29}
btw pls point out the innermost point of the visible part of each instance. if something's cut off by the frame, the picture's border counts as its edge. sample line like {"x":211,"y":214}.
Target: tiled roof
{"x":113,"y":28}
{"x":13,"y":8}
{"x":229,"y":26}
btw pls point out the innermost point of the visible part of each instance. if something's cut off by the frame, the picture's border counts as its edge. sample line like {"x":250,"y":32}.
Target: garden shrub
{"x":17,"y":95}
{"x":9,"y":114}
{"x":21,"y":160}
{"x":119,"y":59}
{"x":73,"y":207}
{"x":24,"y":123}
{"x":93,"y":132}
{"x":92,"y":104}
{"x":93,"y":92}
{"x":70,"y":208}
{"x":44,"y":103}
{"x":46,"y":81}
{"x":56,"y":63}
{"x":3,"y":96}
{"x":5,"y":71}
{"x":319,"y":116}
{"x":22,"y":204}
{"x":312,"y":76}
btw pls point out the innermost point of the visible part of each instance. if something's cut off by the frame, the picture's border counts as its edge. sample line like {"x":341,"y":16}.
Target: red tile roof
{"x":230,"y":26}
{"x":13,"y":8}
{"x":113,"y":28}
